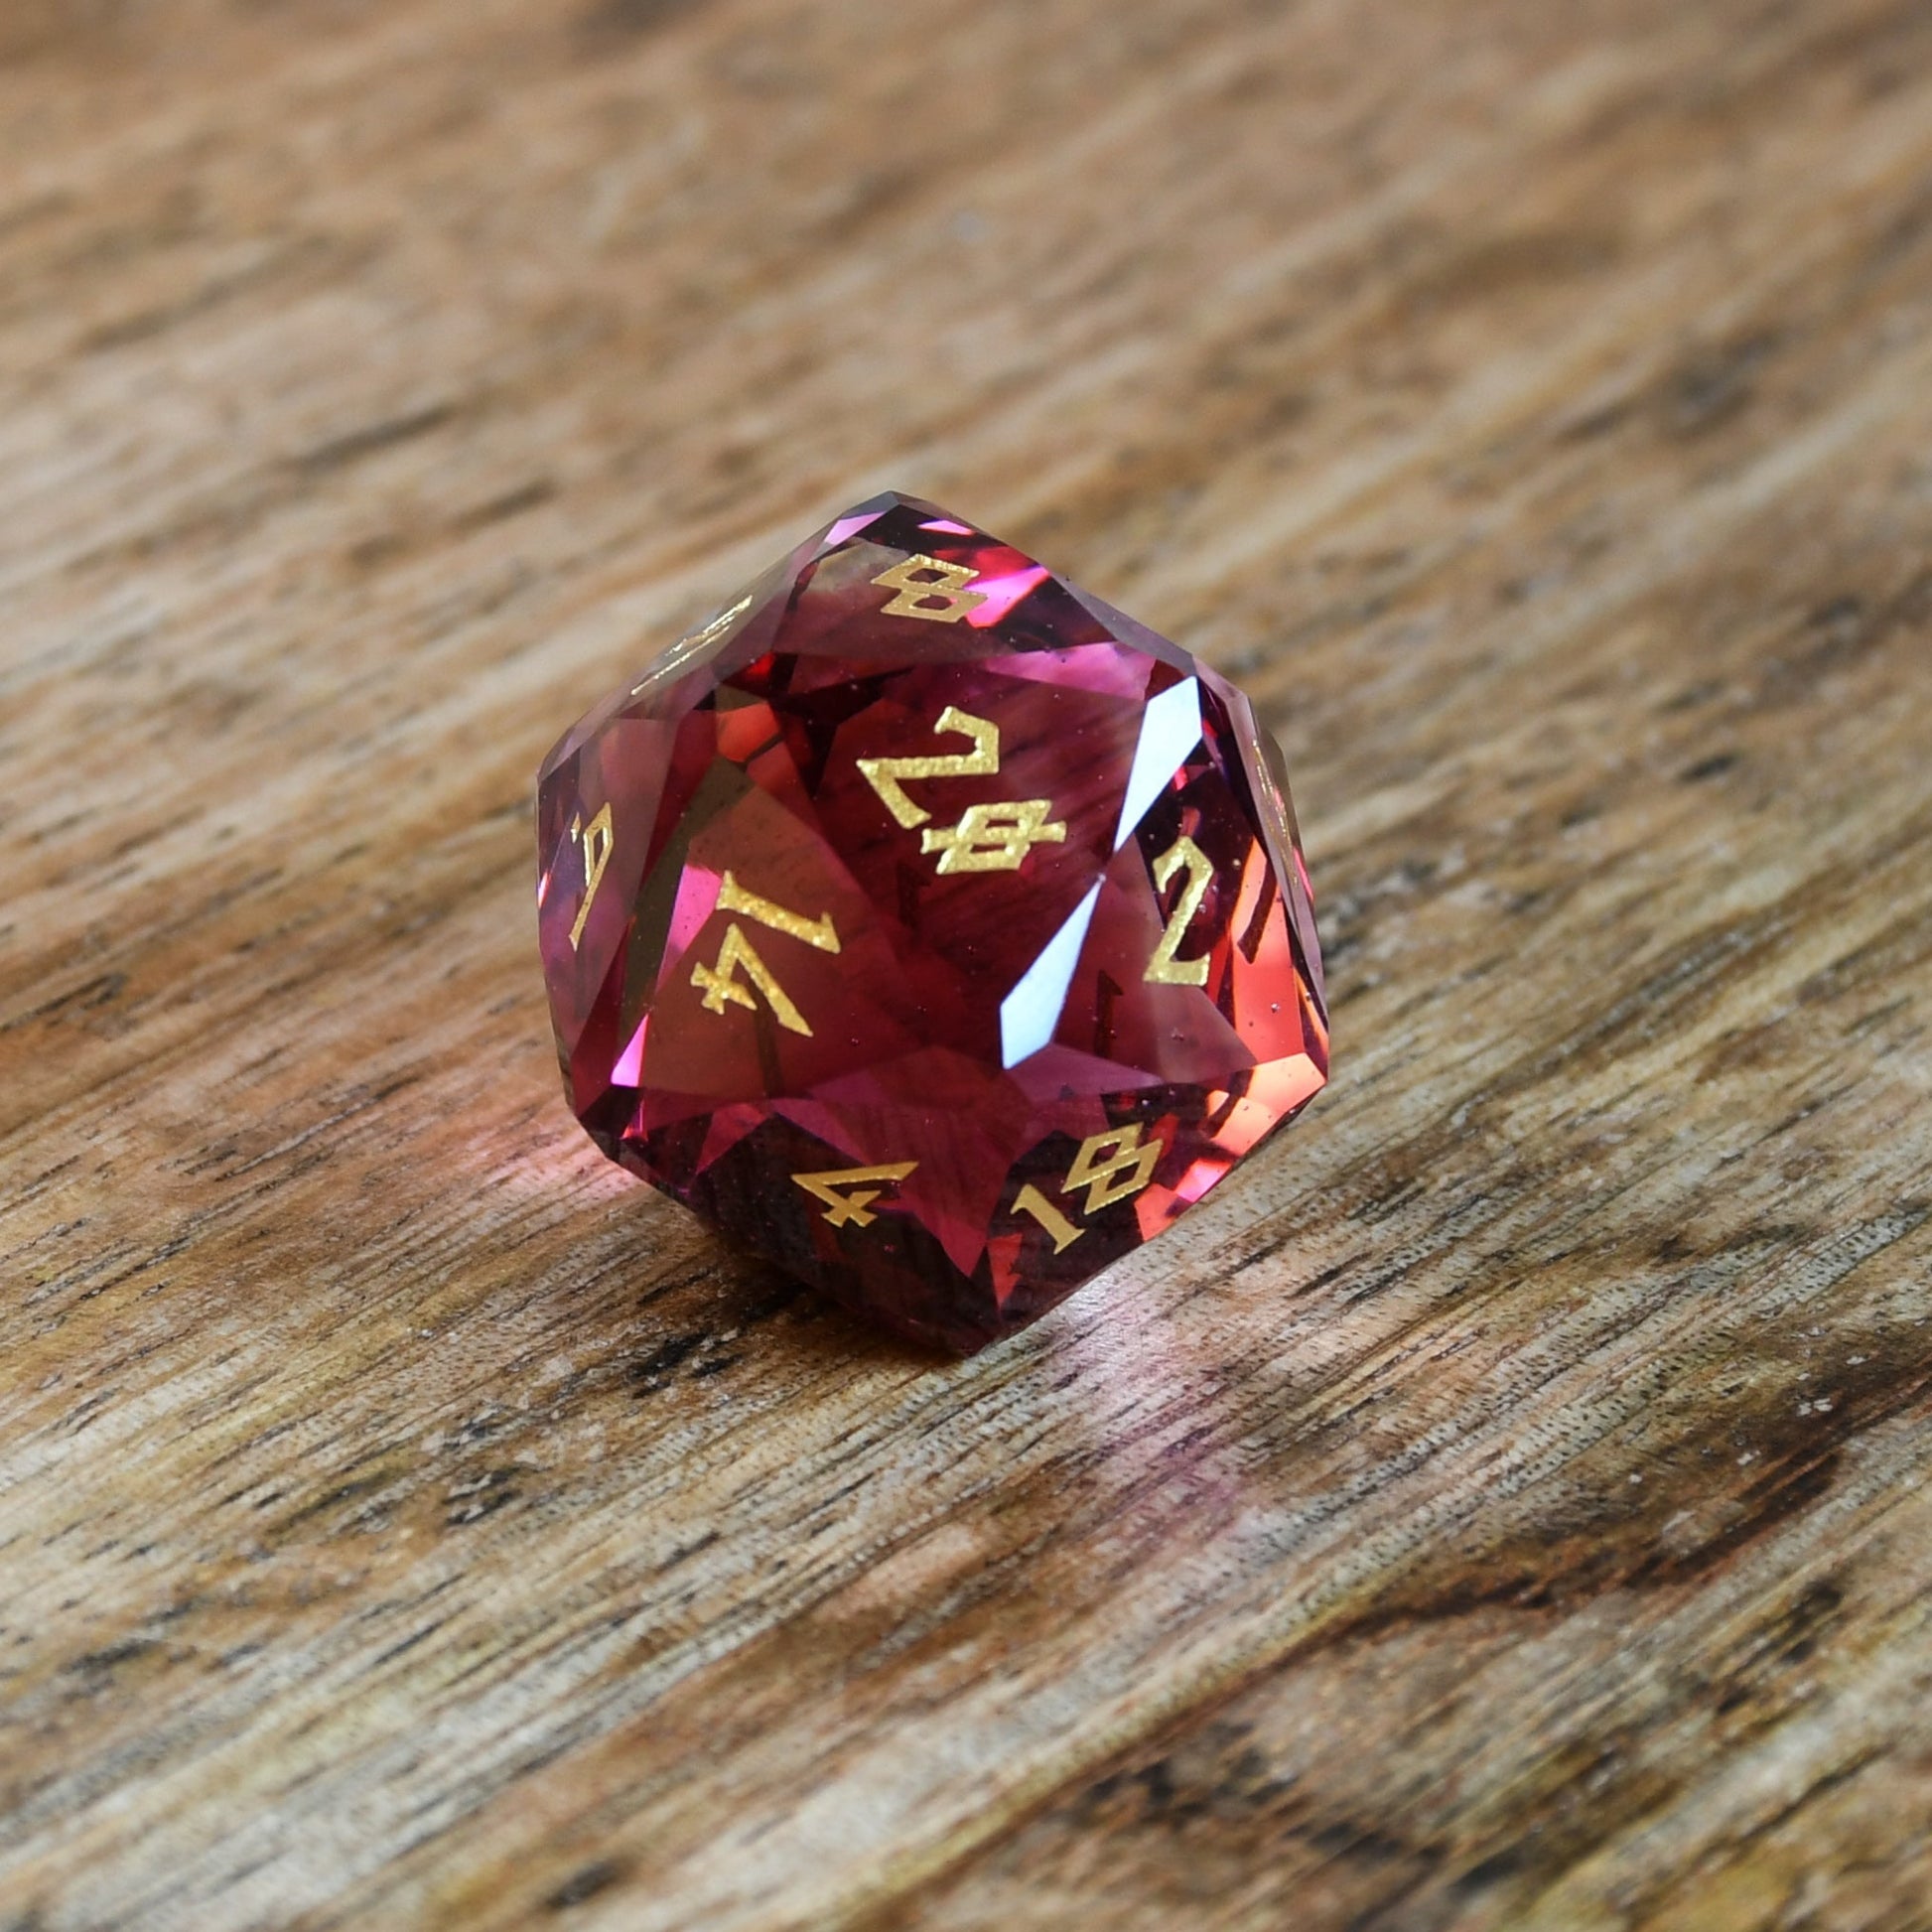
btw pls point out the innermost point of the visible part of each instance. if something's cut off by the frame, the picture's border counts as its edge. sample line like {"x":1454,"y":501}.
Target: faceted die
{"x":927,"y":926}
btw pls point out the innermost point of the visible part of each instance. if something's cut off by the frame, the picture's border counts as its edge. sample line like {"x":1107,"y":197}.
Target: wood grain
{"x":1506,"y":1505}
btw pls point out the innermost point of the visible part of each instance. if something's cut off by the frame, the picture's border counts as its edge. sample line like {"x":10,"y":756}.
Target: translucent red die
{"x":927,"y":926}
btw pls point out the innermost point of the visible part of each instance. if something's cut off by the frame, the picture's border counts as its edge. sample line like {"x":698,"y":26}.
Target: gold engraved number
{"x":687,"y":647}
{"x":1164,"y":968}
{"x":1030,"y":1200}
{"x":719,"y":985}
{"x":597,"y":838}
{"x":988,"y":838}
{"x":928,"y":589}
{"x":1111,"y":1166}
{"x":1125,"y":1154}
{"x":994,"y":838}
{"x":884,"y":775}
{"x":848,"y":1211}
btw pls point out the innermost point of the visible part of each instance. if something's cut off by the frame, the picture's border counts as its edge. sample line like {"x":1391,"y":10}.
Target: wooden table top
{"x":1505,"y":1504}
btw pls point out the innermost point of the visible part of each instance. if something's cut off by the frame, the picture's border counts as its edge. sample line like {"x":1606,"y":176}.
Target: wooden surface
{"x":1505,"y":1505}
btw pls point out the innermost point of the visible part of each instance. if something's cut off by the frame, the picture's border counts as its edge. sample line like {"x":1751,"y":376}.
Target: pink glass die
{"x":927,"y":926}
